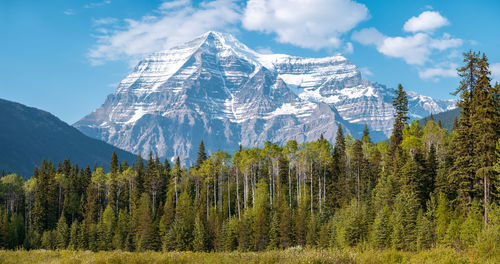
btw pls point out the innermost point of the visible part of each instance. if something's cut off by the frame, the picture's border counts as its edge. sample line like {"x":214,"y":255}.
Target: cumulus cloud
{"x":365,"y":71}
{"x":309,"y":24}
{"x":97,"y":4}
{"x":172,"y":23}
{"x":264,"y":50}
{"x":426,"y":21}
{"x":434,"y":73}
{"x":104,"y":21}
{"x":495,"y":72}
{"x":414,"y":49}
{"x":69,"y":12}
{"x":348,"y":48}
{"x":369,"y":36}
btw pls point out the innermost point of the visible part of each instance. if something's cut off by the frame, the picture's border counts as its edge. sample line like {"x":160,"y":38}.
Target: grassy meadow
{"x":292,"y":255}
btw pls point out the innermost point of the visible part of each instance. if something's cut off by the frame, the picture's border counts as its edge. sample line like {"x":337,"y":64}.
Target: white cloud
{"x":437,"y":72}
{"x":309,"y":24}
{"x":264,"y":50}
{"x":348,"y":48}
{"x":369,"y":36}
{"x":414,"y":49}
{"x":97,"y":4}
{"x":495,"y":72}
{"x":427,"y":21}
{"x":365,"y":71}
{"x":174,"y":4}
{"x":104,"y":21}
{"x":173,"y":23}
{"x":69,"y":12}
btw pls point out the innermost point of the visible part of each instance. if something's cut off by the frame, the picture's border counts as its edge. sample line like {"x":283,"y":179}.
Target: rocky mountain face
{"x":216,"y":89}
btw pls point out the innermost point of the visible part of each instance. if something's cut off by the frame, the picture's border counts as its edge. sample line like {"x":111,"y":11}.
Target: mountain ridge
{"x":217,"y":89}
{"x":33,"y":134}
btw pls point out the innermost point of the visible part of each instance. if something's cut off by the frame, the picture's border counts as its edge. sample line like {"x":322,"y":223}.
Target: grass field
{"x":293,"y":255}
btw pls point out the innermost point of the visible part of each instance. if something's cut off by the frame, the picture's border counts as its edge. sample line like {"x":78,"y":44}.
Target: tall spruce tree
{"x":485,"y":126}
{"x":464,"y":168}
{"x":202,"y":155}
{"x":400,"y":103}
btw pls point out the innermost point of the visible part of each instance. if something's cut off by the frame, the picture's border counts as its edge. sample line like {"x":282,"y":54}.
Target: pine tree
{"x":184,"y":220}
{"x":426,"y":235}
{"x":337,"y":186}
{"x":145,"y":224}
{"x":404,"y":221}
{"x":485,"y":126}
{"x":62,"y":233}
{"x":382,"y":229}
{"x":113,"y":165}
{"x":400,"y":103}
{"x":199,"y":236}
{"x":261,"y":214}
{"x":202,"y":155}
{"x":464,"y":168}
{"x":273,"y":240}
{"x":73,"y":235}
{"x":109,"y":222}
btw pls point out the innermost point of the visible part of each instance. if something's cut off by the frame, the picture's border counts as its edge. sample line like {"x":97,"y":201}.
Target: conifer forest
{"x":426,"y":188}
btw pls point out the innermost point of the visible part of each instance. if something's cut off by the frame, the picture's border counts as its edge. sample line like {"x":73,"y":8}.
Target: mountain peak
{"x":216,"y":88}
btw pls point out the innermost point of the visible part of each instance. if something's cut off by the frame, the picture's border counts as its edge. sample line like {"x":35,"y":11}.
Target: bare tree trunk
{"x":215,"y":192}
{"x":324,"y":184}
{"x":245,"y":190}
{"x":319,"y":187}
{"x":238,"y":192}
{"x":229,"y":195}
{"x":486,"y":198}
{"x":175,"y":189}
{"x":289,"y":187}
{"x":311,"y":176}
{"x":358,"y":185}
{"x":297,"y":177}
{"x":269,"y":171}
{"x":208,"y":200}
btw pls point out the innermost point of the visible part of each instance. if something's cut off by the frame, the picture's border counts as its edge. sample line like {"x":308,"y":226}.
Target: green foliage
{"x":62,"y":233}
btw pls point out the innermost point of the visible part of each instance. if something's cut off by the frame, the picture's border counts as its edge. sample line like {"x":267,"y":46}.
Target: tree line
{"x":424,"y":187}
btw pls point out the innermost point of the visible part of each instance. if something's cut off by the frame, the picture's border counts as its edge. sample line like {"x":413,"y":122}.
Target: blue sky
{"x":65,"y":57}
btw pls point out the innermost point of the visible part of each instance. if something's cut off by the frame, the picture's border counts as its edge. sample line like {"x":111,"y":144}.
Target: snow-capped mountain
{"x":216,"y":89}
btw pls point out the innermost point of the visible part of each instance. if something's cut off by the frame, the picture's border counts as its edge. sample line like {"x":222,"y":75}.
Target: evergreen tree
{"x":73,"y":235}
{"x":485,"y":126}
{"x":404,"y":221}
{"x":183,"y":223}
{"x":261,"y":214}
{"x":382,"y":228}
{"x":109,"y":222}
{"x":400,"y":103}
{"x":202,"y":155}
{"x":426,"y":236}
{"x":199,"y":236}
{"x":464,"y":168}
{"x":62,"y":233}
{"x":145,"y":224}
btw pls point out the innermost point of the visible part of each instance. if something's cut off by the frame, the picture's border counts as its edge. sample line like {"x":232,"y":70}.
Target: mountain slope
{"x":446,"y":118}
{"x":216,"y":89}
{"x":30,"y":135}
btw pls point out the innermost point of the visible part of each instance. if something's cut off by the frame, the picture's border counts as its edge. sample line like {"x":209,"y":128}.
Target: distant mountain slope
{"x":446,"y":118}
{"x":217,"y":89}
{"x":29,"y":135}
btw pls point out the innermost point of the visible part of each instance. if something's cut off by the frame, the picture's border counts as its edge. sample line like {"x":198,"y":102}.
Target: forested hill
{"x":29,"y":135}
{"x":446,"y":118}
